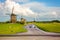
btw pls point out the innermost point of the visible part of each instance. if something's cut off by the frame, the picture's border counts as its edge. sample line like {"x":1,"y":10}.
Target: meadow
{"x":8,"y":28}
{"x":49,"y":27}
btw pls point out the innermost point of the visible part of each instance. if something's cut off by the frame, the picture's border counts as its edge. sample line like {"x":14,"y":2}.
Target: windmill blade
{"x":8,"y":14}
{"x":12,"y":9}
{"x":17,"y":15}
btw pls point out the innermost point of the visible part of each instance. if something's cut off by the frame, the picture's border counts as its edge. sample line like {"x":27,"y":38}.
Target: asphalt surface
{"x":30,"y":38}
{"x":33,"y":33}
{"x":33,"y":30}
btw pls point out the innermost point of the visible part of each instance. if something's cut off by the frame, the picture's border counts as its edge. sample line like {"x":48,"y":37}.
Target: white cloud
{"x":18,"y":9}
{"x":31,"y":9}
{"x":44,"y":11}
{"x":2,"y":9}
{"x":54,"y":13}
{"x":23,"y":1}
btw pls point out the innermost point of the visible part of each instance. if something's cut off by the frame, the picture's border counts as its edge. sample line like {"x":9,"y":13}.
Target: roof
{"x":13,"y":14}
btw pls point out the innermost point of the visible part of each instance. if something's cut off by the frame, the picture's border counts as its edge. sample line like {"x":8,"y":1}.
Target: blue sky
{"x":51,"y":8}
{"x":50,"y":2}
{"x":55,"y":3}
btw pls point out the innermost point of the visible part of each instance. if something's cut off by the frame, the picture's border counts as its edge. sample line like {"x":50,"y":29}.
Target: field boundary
{"x":28,"y":35}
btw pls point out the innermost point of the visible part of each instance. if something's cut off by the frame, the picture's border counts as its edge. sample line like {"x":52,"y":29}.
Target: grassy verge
{"x":49,"y":27}
{"x":11,"y":28}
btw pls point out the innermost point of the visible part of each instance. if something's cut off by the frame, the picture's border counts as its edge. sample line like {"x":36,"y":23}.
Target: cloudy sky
{"x":42,"y":10}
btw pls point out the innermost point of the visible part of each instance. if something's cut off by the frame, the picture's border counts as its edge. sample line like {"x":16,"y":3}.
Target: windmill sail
{"x":13,"y":16}
{"x":12,"y":9}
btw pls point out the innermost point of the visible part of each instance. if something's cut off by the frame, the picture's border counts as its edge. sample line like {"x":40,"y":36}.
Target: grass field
{"x":8,"y":28}
{"x":49,"y":27}
{"x":11,"y":28}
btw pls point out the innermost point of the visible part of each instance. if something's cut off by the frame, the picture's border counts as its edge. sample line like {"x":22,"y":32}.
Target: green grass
{"x":49,"y":27}
{"x":8,"y":28}
{"x":11,"y":28}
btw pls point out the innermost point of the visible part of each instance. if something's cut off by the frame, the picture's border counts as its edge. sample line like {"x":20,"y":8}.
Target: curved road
{"x":33,"y":30}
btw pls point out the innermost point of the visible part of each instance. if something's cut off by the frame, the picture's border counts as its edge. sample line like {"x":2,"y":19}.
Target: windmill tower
{"x":13,"y":16}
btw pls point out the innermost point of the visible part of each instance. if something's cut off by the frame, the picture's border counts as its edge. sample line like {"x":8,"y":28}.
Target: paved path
{"x":30,"y":38}
{"x":33,"y":30}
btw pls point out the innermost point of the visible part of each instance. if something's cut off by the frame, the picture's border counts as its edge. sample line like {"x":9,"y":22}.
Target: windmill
{"x":12,"y":16}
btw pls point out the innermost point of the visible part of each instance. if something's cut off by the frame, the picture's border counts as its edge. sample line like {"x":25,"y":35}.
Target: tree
{"x":55,"y":21}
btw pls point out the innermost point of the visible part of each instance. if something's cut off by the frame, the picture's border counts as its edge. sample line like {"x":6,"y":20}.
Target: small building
{"x":23,"y":21}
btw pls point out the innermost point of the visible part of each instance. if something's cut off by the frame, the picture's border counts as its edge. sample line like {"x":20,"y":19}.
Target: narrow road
{"x":30,"y":38}
{"x":33,"y":30}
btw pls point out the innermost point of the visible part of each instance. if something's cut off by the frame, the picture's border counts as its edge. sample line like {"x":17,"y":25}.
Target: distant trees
{"x":56,"y":21}
{"x":7,"y":21}
{"x":18,"y":22}
{"x":23,"y":21}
